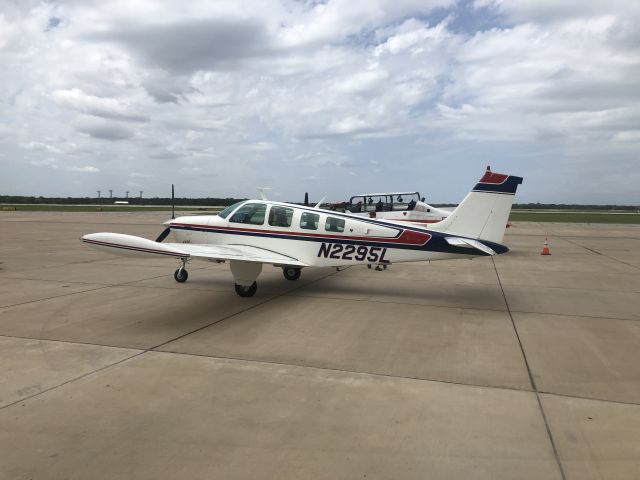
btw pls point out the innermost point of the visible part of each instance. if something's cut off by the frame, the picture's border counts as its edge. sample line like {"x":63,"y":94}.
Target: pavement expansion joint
{"x":71,"y":380}
{"x":344,"y":370}
{"x":72,"y":342}
{"x":395,"y":302}
{"x":531,"y":379}
{"x":266,"y":300}
{"x":603,"y":254}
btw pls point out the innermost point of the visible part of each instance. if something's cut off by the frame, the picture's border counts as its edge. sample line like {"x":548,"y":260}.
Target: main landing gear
{"x":245,"y":275}
{"x":291,"y":273}
{"x":245,"y":291}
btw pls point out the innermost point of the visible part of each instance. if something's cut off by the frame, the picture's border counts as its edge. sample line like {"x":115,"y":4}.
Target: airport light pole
{"x":110,"y":193}
{"x":127,"y":195}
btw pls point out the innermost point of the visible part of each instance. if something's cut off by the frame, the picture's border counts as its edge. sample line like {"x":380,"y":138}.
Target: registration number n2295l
{"x":361,"y":253}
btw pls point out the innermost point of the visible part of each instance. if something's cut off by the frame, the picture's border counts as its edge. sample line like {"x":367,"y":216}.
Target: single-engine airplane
{"x":254,"y":232}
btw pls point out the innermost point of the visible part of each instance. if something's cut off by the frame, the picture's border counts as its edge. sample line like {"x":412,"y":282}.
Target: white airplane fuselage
{"x":361,"y":241}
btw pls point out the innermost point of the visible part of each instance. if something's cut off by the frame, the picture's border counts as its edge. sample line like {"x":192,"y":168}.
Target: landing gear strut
{"x":244,"y":291}
{"x":291,"y":273}
{"x":181,"y":273}
{"x":245,"y":275}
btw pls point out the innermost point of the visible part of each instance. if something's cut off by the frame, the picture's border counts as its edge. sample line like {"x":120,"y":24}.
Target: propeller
{"x":306,"y":199}
{"x":167,"y":230}
{"x":173,"y":203}
{"x":163,"y":235}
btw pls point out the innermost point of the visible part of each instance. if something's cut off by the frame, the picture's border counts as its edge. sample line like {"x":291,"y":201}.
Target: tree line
{"x":31,"y":200}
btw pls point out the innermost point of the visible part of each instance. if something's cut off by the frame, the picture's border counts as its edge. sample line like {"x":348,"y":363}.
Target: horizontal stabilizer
{"x":469,"y":243}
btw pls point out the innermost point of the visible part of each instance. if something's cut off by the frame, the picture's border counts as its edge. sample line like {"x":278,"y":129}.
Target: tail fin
{"x":484,"y":212}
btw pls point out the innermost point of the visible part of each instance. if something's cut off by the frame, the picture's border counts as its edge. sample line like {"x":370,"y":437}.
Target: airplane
{"x":251,"y":233}
{"x":398,"y":206}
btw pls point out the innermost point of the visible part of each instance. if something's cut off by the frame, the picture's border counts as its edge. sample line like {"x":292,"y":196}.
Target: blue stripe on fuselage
{"x":437,"y":243}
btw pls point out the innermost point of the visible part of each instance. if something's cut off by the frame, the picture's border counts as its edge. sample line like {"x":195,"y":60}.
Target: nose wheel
{"x":181,"y":273}
{"x":292,"y":273}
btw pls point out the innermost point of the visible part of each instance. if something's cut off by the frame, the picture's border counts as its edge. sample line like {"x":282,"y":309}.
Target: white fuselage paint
{"x":363,"y":241}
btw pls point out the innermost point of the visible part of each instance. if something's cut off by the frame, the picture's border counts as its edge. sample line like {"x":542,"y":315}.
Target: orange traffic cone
{"x":545,"y":248}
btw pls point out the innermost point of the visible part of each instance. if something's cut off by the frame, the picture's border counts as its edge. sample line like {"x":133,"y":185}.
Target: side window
{"x":309,"y":221}
{"x":280,"y":216}
{"x":334,"y":224}
{"x":252,"y":213}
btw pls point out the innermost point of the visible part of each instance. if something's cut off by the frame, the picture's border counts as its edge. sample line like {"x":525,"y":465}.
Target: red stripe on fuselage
{"x":406,"y":237}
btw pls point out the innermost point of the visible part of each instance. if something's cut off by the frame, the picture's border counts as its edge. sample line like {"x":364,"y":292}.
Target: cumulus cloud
{"x":109,"y":108}
{"x":341,"y":91}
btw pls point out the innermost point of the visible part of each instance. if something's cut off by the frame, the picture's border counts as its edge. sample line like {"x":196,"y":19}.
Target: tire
{"x":181,"y":275}
{"x":246,"y":291}
{"x":292,"y":273}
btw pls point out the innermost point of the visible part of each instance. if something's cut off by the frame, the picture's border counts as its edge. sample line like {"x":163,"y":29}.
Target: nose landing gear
{"x":181,"y":273}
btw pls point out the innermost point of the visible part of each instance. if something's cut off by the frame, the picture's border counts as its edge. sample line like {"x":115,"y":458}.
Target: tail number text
{"x":360,"y":253}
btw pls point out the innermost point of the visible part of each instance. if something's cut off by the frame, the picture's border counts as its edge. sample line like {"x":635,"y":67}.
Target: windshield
{"x":225,"y":213}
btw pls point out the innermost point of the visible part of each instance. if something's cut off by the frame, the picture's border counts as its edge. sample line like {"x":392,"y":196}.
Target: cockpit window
{"x":334,"y":224}
{"x":280,"y":216}
{"x":225,"y":213}
{"x":251,"y":213}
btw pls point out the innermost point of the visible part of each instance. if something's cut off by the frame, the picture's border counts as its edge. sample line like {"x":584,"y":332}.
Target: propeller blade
{"x":306,"y":199}
{"x":173,"y":204}
{"x":163,"y":235}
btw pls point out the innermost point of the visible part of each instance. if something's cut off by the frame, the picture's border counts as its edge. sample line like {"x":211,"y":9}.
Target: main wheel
{"x":181,"y":275}
{"x":246,"y":291}
{"x":292,"y":273}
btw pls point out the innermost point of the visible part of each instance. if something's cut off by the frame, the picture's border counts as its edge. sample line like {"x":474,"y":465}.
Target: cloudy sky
{"x":334,"y":97}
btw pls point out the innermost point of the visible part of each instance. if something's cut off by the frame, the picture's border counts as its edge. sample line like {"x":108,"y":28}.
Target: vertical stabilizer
{"x":484,"y":212}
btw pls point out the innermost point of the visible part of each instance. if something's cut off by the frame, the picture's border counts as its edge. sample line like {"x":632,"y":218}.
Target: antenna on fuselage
{"x":261,"y":191}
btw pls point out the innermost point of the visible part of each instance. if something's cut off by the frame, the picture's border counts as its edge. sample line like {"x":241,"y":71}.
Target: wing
{"x":137,"y":246}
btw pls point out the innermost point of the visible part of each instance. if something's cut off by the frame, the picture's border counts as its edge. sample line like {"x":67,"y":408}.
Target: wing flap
{"x":245,"y":253}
